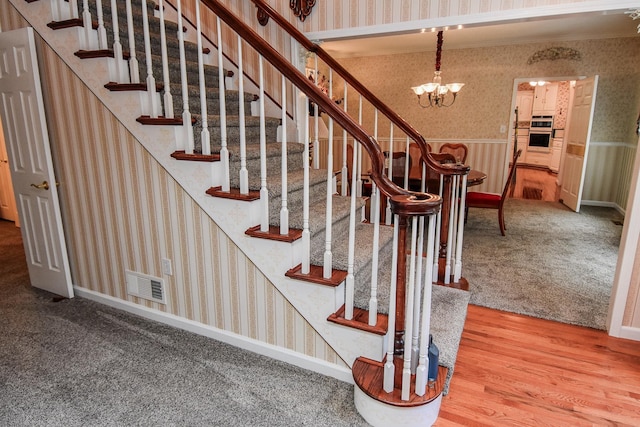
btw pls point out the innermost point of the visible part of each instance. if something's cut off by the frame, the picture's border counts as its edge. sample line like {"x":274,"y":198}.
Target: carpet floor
{"x":80,"y":363}
{"x":553,"y":263}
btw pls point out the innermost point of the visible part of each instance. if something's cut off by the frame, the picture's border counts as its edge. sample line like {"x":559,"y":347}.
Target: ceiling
{"x":575,"y":27}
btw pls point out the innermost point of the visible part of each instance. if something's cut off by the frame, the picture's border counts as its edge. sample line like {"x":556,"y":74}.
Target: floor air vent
{"x":147,"y":287}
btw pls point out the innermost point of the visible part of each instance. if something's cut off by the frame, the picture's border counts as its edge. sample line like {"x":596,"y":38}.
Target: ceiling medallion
{"x":302,"y":8}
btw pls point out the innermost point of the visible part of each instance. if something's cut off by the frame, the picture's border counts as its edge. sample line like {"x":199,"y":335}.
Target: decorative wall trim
{"x":278,"y":353}
{"x":629,"y":333}
{"x":555,"y":53}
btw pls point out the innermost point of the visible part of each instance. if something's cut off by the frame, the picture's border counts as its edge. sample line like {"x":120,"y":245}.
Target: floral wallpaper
{"x":484,"y":104}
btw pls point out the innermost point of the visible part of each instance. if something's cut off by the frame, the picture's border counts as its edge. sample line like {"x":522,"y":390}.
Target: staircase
{"x":373,"y":273}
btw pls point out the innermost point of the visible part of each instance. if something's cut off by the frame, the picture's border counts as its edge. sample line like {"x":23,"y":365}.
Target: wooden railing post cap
{"x":415,"y":204}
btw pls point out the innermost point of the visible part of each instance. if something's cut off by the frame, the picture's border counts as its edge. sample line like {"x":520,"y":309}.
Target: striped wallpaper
{"x":122,"y":210}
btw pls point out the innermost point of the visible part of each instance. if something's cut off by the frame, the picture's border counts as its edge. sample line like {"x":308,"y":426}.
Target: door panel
{"x":34,"y":183}
{"x":578,"y":137}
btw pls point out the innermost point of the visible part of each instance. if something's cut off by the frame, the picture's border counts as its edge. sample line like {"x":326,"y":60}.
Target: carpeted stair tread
{"x":212,"y":94}
{"x":341,"y":208}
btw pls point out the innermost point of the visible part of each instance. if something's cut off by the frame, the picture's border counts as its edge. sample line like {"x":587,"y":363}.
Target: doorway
{"x":8,"y":208}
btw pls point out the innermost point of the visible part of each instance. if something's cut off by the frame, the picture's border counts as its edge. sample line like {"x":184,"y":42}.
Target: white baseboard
{"x":250,"y":344}
{"x":603,"y":204}
{"x":630,"y":333}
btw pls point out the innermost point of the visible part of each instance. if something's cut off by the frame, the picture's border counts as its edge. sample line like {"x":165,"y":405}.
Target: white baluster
{"x":87,"y":27}
{"x":345,"y":168}
{"x":56,"y":11}
{"x":264,"y":193}
{"x":436,"y":242}
{"x":306,"y":235}
{"x":407,"y":166}
{"x":121,"y":73}
{"x":328,"y":256}
{"x":450,"y":234}
{"x":389,"y":367}
{"x":73,"y":9}
{"x":415,"y":350}
{"x":205,"y":135}
{"x":408,"y":318}
{"x":373,"y":300}
{"x":350,"y":281}
{"x":316,"y":118}
{"x":284,"y":210}
{"x":389,"y":162}
{"x":186,"y":114}
{"x":244,"y":174}
{"x":151,"y":81}
{"x":134,"y":68}
{"x":102,"y":32}
{"x":422,"y":371}
{"x":168,"y":99}
{"x":358,"y":153}
{"x":224,"y":150}
{"x":463,"y":196}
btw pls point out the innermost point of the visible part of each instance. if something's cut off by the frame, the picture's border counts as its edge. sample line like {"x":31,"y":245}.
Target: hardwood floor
{"x":537,"y":184}
{"x":515,"y":370}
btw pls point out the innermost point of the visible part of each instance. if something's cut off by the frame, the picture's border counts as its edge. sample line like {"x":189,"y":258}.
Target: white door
{"x":8,"y":208}
{"x":577,"y":146}
{"x":25,"y":132}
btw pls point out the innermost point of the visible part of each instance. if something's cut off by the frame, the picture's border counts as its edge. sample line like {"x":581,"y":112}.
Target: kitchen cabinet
{"x":524,"y":102}
{"x":544,"y":99}
{"x":556,"y":151}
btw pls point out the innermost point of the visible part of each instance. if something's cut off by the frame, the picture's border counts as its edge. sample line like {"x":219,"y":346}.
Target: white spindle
{"x":205,"y":136}
{"x":408,"y":318}
{"x":373,"y":300}
{"x":264,"y":193}
{"x":328,"y":256}
{"x":284,"y":210}
{"x":316,"y":119}
{"x":422,"y":371}
{"x":450,"y":231}
{"x":345,"y":168}
{"x":73,"y":9}
{"x":389,"y":162}
{"x":436,"y":242}
{"x":415,"y":350}
{"x":389,"y":367}
{"x":244,"y":174}
{"x":463,"y":195}
{"x":121,"y":73}
{"x":358,"y":153}
{"x":224,"y":150}
{"x":87,"y":26}
{"x":407,"y":166}
{"x":306,"y":235}
{"x":134,"y":68}
{"x":186,"y":114}
{"x":168,"y":98}
{"x":151,"y":81}
{"x":56,"y":11}
{"x":350,"y":281}
{"x":102,"y":31}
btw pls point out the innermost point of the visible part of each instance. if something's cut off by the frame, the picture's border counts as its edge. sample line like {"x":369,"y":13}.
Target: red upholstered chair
{"x":477,"y":199}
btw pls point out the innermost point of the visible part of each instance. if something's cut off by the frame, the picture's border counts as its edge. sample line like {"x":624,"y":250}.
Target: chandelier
{"x":435,"y":91}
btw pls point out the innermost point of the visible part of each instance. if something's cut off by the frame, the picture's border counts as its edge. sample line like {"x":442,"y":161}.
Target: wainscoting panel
{"x":123,"y":211}
{"x":608,"y":174}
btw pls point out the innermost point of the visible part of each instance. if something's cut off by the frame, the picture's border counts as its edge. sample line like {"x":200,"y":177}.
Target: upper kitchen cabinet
{"x":524,"y":102}
{"x":544,"y":99}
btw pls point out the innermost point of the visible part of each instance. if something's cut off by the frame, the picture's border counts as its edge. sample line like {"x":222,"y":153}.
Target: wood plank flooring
{"x":537,"y":184}
{"x":515,"y":370}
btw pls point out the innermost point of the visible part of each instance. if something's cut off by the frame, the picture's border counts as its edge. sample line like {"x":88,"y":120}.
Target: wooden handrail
{"x":449,"y":169}
{"x":428,"y":202}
